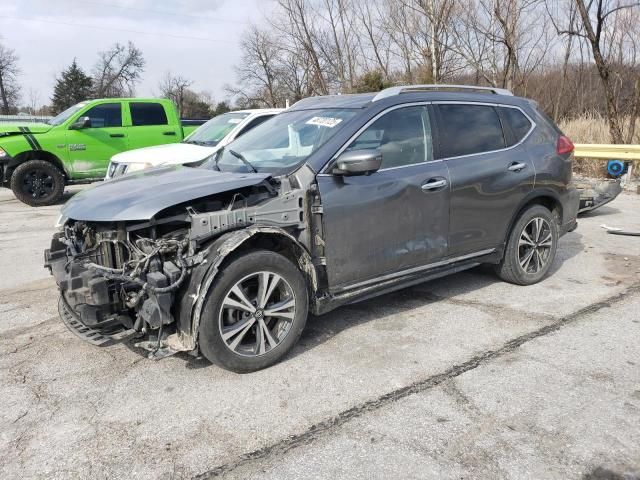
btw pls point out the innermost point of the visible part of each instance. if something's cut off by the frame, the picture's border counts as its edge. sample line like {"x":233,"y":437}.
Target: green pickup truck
{"x":37,"y":160}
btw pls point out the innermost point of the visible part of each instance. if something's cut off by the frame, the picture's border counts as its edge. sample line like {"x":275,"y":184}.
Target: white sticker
{"x":234,"y":120}
{"x":324,"y":121}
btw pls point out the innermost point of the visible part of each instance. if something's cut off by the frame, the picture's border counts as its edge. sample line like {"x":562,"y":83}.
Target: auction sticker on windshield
{"x":234,"y":120}
{"x":324,"y":121}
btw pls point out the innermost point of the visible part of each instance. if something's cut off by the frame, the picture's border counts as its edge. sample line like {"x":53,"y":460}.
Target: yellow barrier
{"x":608,"y":152}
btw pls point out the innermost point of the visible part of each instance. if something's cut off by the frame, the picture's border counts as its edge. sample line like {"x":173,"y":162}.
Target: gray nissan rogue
{"x":337,"y":199}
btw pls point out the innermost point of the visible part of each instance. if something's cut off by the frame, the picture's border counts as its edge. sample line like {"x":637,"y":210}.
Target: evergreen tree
{"x":72,"y":87}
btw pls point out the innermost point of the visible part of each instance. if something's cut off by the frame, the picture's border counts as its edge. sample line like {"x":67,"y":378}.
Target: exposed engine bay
{"x":137,"y":277}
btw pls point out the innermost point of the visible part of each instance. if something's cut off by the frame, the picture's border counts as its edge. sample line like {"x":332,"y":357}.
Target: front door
{"x":91,"y":148}
{"x":490,"y":175}
{"x":395,"y":218}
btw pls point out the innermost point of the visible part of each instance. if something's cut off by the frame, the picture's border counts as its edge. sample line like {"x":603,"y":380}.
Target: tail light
{"x":564,"y":145}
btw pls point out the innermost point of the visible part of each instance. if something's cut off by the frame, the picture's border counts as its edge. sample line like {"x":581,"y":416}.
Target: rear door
{"x":395,"y":218}
{"x":150,"y":125}
{"x":90,"y":149}
{"x":491,"y":173}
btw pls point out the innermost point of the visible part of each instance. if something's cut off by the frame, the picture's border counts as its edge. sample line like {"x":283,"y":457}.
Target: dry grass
{"x":592,"y":128}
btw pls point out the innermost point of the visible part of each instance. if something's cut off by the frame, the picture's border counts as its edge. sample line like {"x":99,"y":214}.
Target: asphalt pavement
{"x":461,"y":377}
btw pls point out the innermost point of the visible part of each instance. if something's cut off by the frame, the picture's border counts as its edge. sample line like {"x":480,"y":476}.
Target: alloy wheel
{"x":38,"y":183}
{"x":534,"y":246}
{"x":257,"y":314}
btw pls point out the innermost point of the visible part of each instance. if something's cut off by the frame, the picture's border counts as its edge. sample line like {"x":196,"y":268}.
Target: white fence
{"x":24,"y":118}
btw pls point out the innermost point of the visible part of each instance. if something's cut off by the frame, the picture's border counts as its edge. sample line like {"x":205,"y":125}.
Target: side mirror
{"x":82,"y":122}
{"x":358,"y":162}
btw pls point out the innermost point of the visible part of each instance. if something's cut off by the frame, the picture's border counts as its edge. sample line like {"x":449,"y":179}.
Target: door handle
{"x":168,"y":133}
{"x":434,"y":184}
{"x":516,"y":167}
{"x":117,"y":135}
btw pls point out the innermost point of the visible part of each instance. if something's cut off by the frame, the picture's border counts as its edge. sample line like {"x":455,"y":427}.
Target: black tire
{"x":38,"y":183}
{"x":511,"y":268}
{"x":242,"y":271}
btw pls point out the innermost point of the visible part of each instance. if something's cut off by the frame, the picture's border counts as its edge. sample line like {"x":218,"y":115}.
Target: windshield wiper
{"x":244,"y":160}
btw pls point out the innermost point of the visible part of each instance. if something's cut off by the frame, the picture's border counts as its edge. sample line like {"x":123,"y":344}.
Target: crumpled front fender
{"x":193,"y":296}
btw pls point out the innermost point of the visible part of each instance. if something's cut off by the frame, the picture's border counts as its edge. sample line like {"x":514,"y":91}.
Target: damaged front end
{"x":118,"y":278}
{"x":148,"y":278}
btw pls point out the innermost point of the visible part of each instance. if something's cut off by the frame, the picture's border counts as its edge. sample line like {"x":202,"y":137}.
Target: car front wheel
{"x":254,"y":313}
{"x":531,"y":247}
{"x":38,"y":183}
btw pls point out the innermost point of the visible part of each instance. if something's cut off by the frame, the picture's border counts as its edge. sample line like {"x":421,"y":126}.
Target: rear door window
{"x":469,"y":129}
{"x":105,"y":115}
{"x":517,"y":122}
{"x":147,"y":114}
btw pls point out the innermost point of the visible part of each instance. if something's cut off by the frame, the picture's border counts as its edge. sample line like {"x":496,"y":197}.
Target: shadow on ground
{"x":599,"y":212}
{"x":320,"y":329}
{"x":601,"y":473}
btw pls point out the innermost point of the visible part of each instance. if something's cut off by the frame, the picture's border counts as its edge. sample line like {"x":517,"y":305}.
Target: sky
{"x":198,"y":39}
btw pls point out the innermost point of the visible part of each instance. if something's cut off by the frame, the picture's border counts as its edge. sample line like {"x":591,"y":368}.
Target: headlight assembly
{"x":135,"y":167}
{"x":61,"y":221}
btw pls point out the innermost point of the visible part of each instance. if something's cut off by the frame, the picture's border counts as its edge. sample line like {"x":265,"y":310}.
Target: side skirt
{"x":332,"y":301}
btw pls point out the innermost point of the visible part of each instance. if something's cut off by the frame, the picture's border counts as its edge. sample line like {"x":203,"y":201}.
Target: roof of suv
{"x":258,"y":110}
{"x":395,"y":95}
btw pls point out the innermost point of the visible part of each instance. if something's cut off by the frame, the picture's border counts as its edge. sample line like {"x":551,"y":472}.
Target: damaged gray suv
{"x":335,"y":200}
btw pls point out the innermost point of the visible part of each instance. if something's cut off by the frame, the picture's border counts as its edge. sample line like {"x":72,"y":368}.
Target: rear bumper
{"x":596,"y":193}
{"x":570,"y":205}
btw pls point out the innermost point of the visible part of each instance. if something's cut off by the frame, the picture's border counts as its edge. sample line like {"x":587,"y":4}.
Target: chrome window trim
{"x":500,"y":105}
{"x":323,"y":171}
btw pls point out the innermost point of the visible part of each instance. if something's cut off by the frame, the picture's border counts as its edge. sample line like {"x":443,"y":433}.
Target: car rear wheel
{"x":531,"y":247}
{"x":255,"y":312}
{"x":37,"y":183}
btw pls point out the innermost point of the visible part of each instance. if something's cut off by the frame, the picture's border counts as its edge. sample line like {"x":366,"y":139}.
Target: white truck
{"x":201,"y":144}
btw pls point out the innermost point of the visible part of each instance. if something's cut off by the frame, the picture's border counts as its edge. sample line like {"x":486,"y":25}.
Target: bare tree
{"x":373,"y":43}
{"x":504,"y":41}
{"x":118,"y":70}
{"x":258,"y":69}
{"x":592,"y":25}
{"x":298,"y":26}
{"x":9,"y":87}
{"x":174,"y":88}
{"x":429,"y":27}
{"x":34,"y":101}
{"x":536,"y":48}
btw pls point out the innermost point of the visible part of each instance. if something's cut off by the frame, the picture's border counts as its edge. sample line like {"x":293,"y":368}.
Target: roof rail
{"x":391,"y":91}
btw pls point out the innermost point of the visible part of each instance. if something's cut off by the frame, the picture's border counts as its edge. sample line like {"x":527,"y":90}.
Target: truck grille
{"x":112,"y":255}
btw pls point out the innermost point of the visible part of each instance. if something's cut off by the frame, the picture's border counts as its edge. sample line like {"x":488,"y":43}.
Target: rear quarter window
{"x":469,"y":129}
{"x":517,"y":122}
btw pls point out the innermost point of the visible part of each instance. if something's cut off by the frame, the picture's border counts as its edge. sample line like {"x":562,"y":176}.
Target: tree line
{"x":115,"y":73}
{"x":571,"y":56}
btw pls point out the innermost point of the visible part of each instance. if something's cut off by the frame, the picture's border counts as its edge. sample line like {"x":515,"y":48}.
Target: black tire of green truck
{"x":38,"y":183}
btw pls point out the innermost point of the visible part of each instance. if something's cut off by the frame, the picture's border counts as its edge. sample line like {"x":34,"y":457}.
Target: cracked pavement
{"x":461,"y":377}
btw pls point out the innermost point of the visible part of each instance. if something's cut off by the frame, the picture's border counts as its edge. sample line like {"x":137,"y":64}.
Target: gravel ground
{"x":462,"y":377}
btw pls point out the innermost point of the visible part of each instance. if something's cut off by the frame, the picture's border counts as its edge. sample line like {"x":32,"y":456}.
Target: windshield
{"x":283,"y":142}
{"x":216,"y":129}
{"x":64,"y":116}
